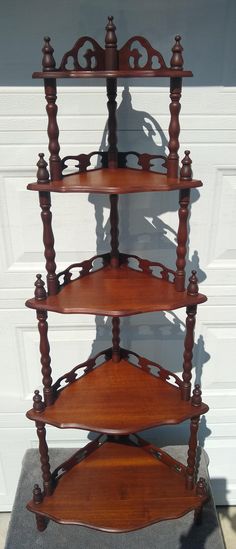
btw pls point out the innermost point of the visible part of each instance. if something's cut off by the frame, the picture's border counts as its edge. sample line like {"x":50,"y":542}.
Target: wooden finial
{"x":111,"y":55}
{"x":38,"y":404}
{"x":177,"y":61}
{"x":40,"y":292}
{"x":37,"y":494}
{"x":48,"y":60}
{"x":201,"y":488}
{"x":192,"y":288}
{"x":196,"y":399}
{"x":186,"y":170}
{"x":42,"y":172}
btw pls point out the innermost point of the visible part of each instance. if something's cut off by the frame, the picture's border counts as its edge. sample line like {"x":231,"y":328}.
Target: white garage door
{"x":80,"y":224}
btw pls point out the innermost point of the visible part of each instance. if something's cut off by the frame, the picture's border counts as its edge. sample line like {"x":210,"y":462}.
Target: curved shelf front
{"x":119,"y":291}
{"x":117,"y":398}
{"x":132,"y":73}
{"x":119,"y":488}
{"x":114,"y":181}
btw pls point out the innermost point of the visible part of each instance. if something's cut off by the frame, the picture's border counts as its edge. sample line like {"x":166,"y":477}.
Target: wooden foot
{"x":41,"y":522}
{"x":198,"y":516}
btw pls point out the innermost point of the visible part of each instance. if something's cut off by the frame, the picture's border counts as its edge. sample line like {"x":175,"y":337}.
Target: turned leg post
{"x":114,"y":221}
{"x":182,"y":237}
{"x":45,"y":357}
{"x":116,"y":339}
{"x":192,"y":451}
{"x":44,"y":458}
{"x":174,"y":128}
{"x":188,"y":351}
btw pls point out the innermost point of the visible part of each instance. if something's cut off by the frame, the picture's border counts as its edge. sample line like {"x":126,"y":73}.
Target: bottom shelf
{"x":118,"y":486}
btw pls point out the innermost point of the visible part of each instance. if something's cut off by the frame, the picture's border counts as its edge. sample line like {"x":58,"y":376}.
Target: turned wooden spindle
{"x":50,"y":86}
{"x":201,"y":487}
{"x":196,"y":399}
{"x":45,"y":357}
{"x":111,"y":123}
{"x":192,"y":288}
{"x":174,"y":127}
{"x":116,"y":339}
{"x":192,"y":451}
{"x":37,"y":499}
{"x":48,"y":236}
{"x":111,"y":54}
{"x":44,"y":458}
{"x":177,"y":61}
{"x":188,"y":352}
{"x":186,"y":170}
{"x":114,"y":219}
{"x":38,"y":404}
{"x":182,"y":237}
{"x":40,"y":292}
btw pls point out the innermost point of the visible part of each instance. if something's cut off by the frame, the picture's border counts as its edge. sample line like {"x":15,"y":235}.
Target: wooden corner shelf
{"x":119,"y":487}
{"x":118,"y":482}
{"x":115,"y":181}
{"x":116,"y":292}
{"x":136,"y":400}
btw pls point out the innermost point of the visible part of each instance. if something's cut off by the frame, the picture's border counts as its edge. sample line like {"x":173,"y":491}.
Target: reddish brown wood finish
{"x":134,"y":489}
{"x":130,"y":73}
{"x":117,"y":398}
{"x":114,"y":221}
{"x":192,"y":288}
{"x":182,"y":237}
{"x":188,"y":351}
{"x":97,"y":53}
{"x":177,"y":61}
{"x":191,"y":461}
{"x":53,"y":130}
{"x":111,"y":54}
{"x":111,"y":122}
{"x":174,"y":127}
{"x":116,"y":181}
{"x":117,"y":292}
{"x":45,"y":356}
{"x":116,"y":339}
{"x":37,"y":499}
{"x":44,"y":458}
{"x":48,"y":240}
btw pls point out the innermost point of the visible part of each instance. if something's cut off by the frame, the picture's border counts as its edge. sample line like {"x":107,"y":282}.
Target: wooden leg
{"x":45,"y":357}
{"x":191,"y":461}
{"x":116,"y":339}
{"x":41,"y":522}
{"x":44,"y":458}
{"x":188,"y":351}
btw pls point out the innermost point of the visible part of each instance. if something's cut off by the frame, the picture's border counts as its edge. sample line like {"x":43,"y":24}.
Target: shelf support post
{"x":114,"y":221}
{"x":192,"y":452}
{"x":111,"y":63}
{"x":188,"y":351}
{"x":182,"y":237}
{"x":44,"y":344}
{"x":116,"y":339}
{"x":50,"y":86}
{"x":48,"y":237}
{"x":176,"y":62}
{"x":44,"y":458}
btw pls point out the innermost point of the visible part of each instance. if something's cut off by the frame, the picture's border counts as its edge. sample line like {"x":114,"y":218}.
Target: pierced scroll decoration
{"x":144,"y":160}
{"x":85,"y":267}
{"x":147,"y":366}
{"x":88,"y":365}
{"x":131,"y":58}
{"x":81,"y":454}
{"x":146,"y":266}
{"x":84,"y":160}
{"x":94,"y":56}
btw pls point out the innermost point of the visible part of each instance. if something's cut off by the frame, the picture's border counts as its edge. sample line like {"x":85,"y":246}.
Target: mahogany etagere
{"x":118,"y":482}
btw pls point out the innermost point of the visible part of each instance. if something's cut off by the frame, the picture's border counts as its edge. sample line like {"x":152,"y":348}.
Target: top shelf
{"x":132,"y":73}
{"x":135,"y":59}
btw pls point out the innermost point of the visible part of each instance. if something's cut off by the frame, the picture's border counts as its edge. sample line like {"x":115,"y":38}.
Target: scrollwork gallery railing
{"x":144,"y":160}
